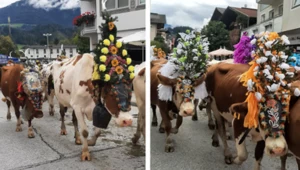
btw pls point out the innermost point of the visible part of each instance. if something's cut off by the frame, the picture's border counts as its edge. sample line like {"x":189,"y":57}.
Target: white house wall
{"x":290,"y":16}
{"x":33,"y":54}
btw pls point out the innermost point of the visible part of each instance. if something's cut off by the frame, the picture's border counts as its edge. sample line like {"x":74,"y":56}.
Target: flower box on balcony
{"x":85,"y":18}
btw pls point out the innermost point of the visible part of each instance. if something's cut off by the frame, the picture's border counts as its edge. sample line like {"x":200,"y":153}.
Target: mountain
{"x":22,"y":12}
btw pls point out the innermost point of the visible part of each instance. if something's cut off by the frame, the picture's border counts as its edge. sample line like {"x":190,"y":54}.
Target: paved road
{"x":193,"y":150}
{"x":50,"y":150}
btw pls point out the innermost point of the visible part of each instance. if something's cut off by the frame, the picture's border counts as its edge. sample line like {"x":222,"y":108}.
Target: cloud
{"x":193,"y":13}
{"x":49,"y":4}
{"x":5,"y":3}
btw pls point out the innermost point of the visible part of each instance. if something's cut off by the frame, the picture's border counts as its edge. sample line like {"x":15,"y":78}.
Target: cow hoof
{"x":215,"y":143}
{"x":85,"y":156}
{"x":8,"y":117}
{"x":18,"y":129}
{"x":63,"y":132}
{"x":228,"y":159}
{"x":194,"y":118}
{"x":228,"y":137}
{"x":211,"y":126}
{"x":78,"y":141}
{"x":154,"y":123}
{"x":22,"y":122}
{"x":174,"y":130}
{"x":161,"y":130}
{"x":169,"y":148}
{"x":135,"y":139}
{"x":31,"y":134}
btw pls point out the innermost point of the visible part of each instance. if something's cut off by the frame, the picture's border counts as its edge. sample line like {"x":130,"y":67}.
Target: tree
{"x":6,"y":45}
{"x":217,"y":35}
{"x":83,"y":43}
{"x":56,"y":41}
{"x":159,"y":42}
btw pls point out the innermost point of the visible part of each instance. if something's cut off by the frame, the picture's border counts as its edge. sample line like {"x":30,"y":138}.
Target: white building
{"x":281,"y":16}
{"x":158,"y":22}
{"x":130,"y":13}
{"x":43,"y":52}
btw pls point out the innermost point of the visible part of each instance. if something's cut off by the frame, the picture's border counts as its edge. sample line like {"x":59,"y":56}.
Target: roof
{"x":158,"y":18}
{"x":221,"y":10}
{"x":250,"y":12}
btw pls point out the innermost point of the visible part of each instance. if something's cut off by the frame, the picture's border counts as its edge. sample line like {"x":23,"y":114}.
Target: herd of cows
{"x":226,"y":96}
{"x":70,"y":81}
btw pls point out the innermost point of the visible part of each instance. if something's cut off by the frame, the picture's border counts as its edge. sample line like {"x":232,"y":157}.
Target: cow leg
{"x":63,"y":130}
{"x":195,"y":116}
{"x":169,"y":146}
{"x":161,"y":127}
{"x":283,"y":161}
{"x":77,"y":134}
{"x":242,"y":153}
{"x":51,"y":103}
{"x":85,"y":155}
{"x":154,"y":118}
{"x":215,"y":137}
{"x":17,"y":113}
{"x":259,"y":153}
{"x":8,"y":116}
{"x":228,"y":135}
{"x":211,"y":124}
{"x":30,"y":129}
{"x":178,"y":124}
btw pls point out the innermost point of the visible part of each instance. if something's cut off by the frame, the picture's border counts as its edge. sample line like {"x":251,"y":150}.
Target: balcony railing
{"x":88,"y":28}
{"x":265,"y":1}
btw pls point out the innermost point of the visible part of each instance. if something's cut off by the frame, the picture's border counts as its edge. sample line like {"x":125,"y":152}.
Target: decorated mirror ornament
{"x":123,"y":94}
{"x":32,"y":87}
{"x":189,"y":60}
{"x":242,"y":52}
{"x":185,"y":87}
{"x":158,"y":53}
{"x":268,"y":83}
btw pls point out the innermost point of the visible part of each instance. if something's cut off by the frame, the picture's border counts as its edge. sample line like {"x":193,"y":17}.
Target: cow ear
{"x":142,"y":72}
{"x":199,"y":80}
{"x":240,"y":108}
{"x":166,"y":81}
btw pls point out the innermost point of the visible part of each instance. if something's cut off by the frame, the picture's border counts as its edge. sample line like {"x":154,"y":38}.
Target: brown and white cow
{"x":228,"y":95}
{"x":184,"y":108}
{"x":139,"y":87}
{"x":30,"y":99}
{"x":73,"y":88}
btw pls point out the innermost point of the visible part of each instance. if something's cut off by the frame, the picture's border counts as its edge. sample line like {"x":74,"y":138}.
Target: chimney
{"x":245,"y":5}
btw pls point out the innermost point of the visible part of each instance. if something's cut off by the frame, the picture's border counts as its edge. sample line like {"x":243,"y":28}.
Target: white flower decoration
{"x":284,"y":66}
{"x":258,"y":96}
{"x":250,"y":84}
{"x":264,"y":59}
{"x":269,"y":44}
{"x":270,"y":77}
{"x":274,"y":59}
{"x":268,"y":53}
{"x":280,"y":76}
{"x":285,"y":40}
{"x":266,"y":71}
{"x":297,"y":92}
{"x":253,"y":41}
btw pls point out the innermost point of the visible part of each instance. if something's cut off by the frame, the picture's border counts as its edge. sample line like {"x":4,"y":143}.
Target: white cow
{"x":74,"y":88}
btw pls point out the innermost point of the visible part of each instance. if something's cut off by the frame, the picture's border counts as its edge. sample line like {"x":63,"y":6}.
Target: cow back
{"x":222,"y":82}
{"x":155,"y":67}
{"x":10,"y":75}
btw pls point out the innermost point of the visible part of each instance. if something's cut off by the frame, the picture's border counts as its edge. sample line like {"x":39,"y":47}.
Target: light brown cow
{"x":228,"y":96}
{"x":139,"y":91}
{"x":30,"y":101}
{"x":184,"y":108}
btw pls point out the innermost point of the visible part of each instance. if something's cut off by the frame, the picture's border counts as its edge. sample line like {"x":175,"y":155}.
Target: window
{"x":45,"y":51}
{"x":280,"y":10}
{"x":268,"y":28}
{"x":71,"y":55}
{"x":271,"y":14}
{"x":28,"y":51}
{"x":296,"y":3}
{"x":142,"y":1}
{"x":115,"y":4}
{"x":31,"y":56}
{"x":51,"y":51}
{"x":44,"y":56}
{"x":263,"y":6}
{"x":263,"y":18}
{"x":57,"y":51}
{"x":37,"y":51}
{"x":255,"y":31}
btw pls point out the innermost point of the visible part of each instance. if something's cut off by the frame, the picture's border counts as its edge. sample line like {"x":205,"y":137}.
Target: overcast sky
{"x":46,"y":4}
{"x":193,"y":13}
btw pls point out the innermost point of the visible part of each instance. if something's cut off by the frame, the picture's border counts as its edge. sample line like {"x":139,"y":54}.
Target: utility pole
{"x":8,"y":19}
{"x":47,"y":35}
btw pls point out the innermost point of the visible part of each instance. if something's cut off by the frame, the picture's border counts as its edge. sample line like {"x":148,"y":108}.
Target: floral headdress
{"x":159,"y":53}
{"x":189,"y":62}
{"x":112,"y":62}
{"x":268,"y":82}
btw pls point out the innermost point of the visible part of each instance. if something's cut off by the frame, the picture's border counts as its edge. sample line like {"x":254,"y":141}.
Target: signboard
{"x":4,"y":59}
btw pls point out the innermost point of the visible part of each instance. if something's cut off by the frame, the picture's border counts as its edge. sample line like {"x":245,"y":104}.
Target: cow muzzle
{"x":276,"y":146}
{"x":124,"y":119}
{"x":187,"y":109}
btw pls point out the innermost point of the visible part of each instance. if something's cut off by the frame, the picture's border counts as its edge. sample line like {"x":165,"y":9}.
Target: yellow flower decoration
{"x":119,"y":70}
{"x":111,"y":37}
{"x":124,"y":52}
{"x":95,"y":67}
{"x":106,"y":77}
{"x":104,"y":50}
{"x":96,"y":75}
{"x":131,"y":75}
{"x":103,"y":58}
{"x":102,"y":67}
{"x":128,"y":60}
{"x":119,"y":44}
{"x":130,"y":68}
{"x":106,"y":42}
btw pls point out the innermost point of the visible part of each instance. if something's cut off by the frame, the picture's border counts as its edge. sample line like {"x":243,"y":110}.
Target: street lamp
{"x":47,"y":35}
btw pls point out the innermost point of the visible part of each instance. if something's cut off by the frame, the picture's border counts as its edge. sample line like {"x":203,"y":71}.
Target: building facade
{"x":158,"y":22}
{"x":51,"y":53}
{"x":130,"y":13}
{"x":280,"y":16}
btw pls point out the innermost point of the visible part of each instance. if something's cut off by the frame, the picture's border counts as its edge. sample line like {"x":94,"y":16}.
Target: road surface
{"x":193,"y":150}
{"x":49,"y":150}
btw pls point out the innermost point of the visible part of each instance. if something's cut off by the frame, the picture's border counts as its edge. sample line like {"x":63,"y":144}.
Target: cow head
{"x":270,"y":123}
{"x":30,"y":93}
{"x":117,"y":100}
{"x":183,"y":92}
